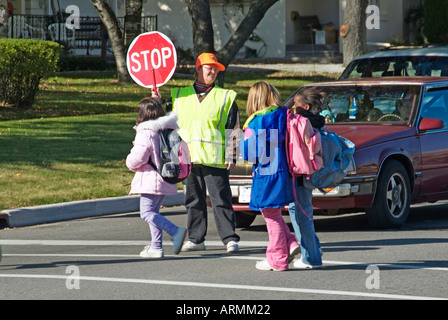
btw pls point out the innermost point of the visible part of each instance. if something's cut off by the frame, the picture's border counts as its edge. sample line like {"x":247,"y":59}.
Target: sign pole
{"x":154,"y":82}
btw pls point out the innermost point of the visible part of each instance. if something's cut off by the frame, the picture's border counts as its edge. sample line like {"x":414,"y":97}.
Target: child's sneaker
{"x":178,"y":239}
{"x":292,"y":253}
{"x":264,"y":265}
{"x":149,"y":252}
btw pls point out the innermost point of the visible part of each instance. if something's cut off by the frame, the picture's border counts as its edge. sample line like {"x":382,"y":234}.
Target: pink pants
{"x":280,"y":238}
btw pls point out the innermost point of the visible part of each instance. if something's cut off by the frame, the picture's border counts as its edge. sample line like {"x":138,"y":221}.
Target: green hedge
{"x":23,"y":62}
{"x":82,"y":63}
{"x":436,"y":21}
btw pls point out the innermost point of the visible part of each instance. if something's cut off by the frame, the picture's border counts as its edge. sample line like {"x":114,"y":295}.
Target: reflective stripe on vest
{"x":202,"y":124}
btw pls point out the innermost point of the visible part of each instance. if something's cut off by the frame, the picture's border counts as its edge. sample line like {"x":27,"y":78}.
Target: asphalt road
{"x":98,"y":258}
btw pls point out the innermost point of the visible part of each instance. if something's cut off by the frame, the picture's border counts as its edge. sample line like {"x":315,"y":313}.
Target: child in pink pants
{"x":263,"y":144}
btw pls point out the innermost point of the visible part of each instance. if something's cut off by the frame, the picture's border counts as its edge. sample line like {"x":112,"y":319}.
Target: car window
{"x":397,"y":66}
{"x":435,"y":105}
{"x":379,"y":103}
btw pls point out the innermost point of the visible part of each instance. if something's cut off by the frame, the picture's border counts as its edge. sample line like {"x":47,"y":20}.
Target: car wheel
{"x":392,"y":201}
{"x":245,"y":218}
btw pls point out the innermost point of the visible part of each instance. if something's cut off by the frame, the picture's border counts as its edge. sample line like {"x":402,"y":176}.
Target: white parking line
{"x":222,"y":256}
{"x":194,"y":284}
{"x":242,"y":244}
{"x":19,"y":242}
{"x":226,"y":286}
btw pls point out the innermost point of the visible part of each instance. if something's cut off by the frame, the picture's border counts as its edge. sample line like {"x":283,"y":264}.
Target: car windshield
{"x":388,"y":104}
{"x":397,"y":66}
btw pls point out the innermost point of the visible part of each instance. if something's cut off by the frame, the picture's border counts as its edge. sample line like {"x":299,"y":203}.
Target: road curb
{"x":30,"y":216}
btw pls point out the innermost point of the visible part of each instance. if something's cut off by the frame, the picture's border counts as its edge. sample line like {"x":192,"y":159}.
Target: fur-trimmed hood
{"x":169,"y":121}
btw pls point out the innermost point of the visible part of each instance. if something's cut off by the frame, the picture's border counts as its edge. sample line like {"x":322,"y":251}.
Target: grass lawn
{"x":72,"y":144}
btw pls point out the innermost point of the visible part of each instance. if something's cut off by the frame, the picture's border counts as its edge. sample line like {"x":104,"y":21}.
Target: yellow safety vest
{"x":202,"y":124}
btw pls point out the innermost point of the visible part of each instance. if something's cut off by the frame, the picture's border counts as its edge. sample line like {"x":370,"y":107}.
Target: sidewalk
{"x":296,"y":67}
{"x":29,"y":216}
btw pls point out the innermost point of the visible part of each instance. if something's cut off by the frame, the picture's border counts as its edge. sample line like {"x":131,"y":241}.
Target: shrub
{"x":82,"y":63}
{"x":436,"y":22}
{"x":23,"y":62}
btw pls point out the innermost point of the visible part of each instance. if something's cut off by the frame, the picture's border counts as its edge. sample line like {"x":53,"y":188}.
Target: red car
{"x":400,"y":129}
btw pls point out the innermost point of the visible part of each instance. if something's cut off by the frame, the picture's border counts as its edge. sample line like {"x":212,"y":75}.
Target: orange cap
{"x":210,"y":59}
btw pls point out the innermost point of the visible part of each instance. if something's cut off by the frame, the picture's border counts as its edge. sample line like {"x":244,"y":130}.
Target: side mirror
{"x":431,"y":124}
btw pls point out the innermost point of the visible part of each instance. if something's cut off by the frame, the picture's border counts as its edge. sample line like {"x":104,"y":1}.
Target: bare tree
{"x":203,"y":34}
{"x":355,"y":40}
{"x":201,"y":22}
{"x":115,"y":36}
{"x":203,"y":40}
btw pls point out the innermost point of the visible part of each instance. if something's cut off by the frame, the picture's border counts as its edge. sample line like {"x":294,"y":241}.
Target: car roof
{"x":408,"y":51}
{"x":383,"y":81}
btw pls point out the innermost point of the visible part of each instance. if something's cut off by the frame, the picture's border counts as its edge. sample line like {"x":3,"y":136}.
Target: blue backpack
{"x":337,"y":153}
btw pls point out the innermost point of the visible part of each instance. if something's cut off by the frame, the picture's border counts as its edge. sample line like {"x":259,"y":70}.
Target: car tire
{"x":392,"y":201}
{"x":244,"y":218}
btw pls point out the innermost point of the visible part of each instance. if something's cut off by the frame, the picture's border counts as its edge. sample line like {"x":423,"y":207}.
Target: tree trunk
{"x":202,"y":26}
{"x":201,"y":22}
{"x":4,"y":14}
{"x":115,"y":36}
{"x":132,"y":21}
{"x":355,"y":41}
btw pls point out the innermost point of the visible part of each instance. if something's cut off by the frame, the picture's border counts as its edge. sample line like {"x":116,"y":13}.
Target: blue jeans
{"x":304,"y":226}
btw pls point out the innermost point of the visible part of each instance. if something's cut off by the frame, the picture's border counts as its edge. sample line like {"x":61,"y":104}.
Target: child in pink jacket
{"x":147,"y":181}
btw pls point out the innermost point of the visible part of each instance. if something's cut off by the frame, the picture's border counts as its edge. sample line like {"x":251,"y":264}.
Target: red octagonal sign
{"x":151,"y":59}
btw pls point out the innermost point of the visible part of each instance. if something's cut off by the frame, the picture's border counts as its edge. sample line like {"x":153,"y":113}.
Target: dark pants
{"x":217,"y":182}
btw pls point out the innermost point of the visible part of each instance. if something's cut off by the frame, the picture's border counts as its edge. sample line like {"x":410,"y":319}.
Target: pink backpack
{"x":303,"y":146}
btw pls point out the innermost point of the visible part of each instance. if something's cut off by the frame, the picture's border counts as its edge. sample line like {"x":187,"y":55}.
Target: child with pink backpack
{"x":307,"y":104}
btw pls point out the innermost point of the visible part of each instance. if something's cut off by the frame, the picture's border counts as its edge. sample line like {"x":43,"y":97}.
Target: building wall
{"x":326,"y":10}
{"x":275,"y":31}
{"x":86,"y":8}
{"x":391,"y":21}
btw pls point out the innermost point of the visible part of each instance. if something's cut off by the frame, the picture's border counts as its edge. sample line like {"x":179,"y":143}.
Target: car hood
{"x":364,"y":136}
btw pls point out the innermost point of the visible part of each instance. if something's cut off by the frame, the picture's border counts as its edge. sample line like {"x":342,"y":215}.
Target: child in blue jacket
{"x":263,"y":144}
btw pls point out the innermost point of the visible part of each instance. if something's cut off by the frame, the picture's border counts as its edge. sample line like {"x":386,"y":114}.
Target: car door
{"x":434,"y":144}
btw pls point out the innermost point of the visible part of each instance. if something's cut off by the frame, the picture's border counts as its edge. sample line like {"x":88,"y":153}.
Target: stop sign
{"x":151,"y":59}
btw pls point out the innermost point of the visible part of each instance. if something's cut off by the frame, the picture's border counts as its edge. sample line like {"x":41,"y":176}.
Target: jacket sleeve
{"x":139,"y":155}
{"x":248,"y":145}
{"x":233,"y":140}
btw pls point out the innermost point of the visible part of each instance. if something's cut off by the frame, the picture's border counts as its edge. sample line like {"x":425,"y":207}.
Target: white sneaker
{"x":232,"y":247}
{"x":299,"y":264}
{"x":292,"y":253}
{"x":264,"y":265}
{"x":149,"y":252}
{"x":178,"y":239}
{"x":191,"y":246}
